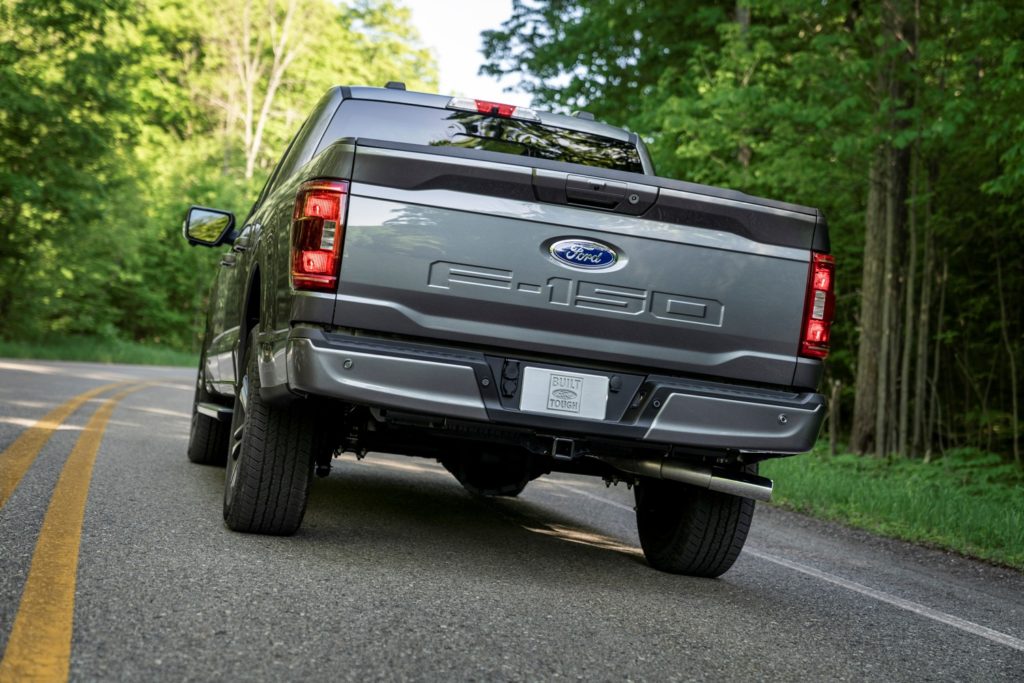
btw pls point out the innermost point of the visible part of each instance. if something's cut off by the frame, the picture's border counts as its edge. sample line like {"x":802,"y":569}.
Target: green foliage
{"x":606,"y":57}
{"x":62,"y":118}
{"x":116,"y":115}
{"x":968,"y":501}
{"x":781,"y":98}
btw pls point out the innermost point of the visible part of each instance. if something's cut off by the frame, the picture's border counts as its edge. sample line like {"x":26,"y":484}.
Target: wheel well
{"x":252,"y":303}
{"x":250,"y":318}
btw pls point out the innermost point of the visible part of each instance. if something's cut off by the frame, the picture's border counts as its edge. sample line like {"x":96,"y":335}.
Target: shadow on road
{"x":398,"y":518}
{"x":417,"y":514}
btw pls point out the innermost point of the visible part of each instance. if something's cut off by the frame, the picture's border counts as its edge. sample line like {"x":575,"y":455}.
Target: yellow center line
{"x":39,"y":647}
{"x":20,"y":455}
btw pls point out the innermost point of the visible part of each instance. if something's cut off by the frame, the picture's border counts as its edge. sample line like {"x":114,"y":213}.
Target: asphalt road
{"x":399,"y":574}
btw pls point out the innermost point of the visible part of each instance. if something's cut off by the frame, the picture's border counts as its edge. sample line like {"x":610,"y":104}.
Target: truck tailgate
{"x":697,"y":289}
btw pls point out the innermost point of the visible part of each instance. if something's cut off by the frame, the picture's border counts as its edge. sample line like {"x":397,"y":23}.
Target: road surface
{"x":115,"y":565}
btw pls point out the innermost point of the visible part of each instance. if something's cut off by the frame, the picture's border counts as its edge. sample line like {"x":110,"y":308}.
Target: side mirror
{"x":207,"y":227}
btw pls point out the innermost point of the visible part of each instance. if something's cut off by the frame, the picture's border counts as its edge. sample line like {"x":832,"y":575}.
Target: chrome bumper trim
{"x":406,"y":383}
{"x":725,"y":423}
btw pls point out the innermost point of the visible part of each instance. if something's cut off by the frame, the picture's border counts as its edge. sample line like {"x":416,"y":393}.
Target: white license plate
{"x":566,"y":394}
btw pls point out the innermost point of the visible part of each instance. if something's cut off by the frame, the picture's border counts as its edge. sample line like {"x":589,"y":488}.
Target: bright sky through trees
{"x":452,"y":31}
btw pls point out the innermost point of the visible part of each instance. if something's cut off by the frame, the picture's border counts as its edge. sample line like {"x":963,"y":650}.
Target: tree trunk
{"x":833,"y":418}
{"x":902,"y":437}
{"x":934,"y":407}
{"x":1011,"y":351}
{"x":284,"y":53}
{"x":862,"y":436}
{"x":885,"y":227}
{"x":743,"y":15}
{"x":923,"y":329}
{"x":882,"y":443}
{"x":745,"y":153}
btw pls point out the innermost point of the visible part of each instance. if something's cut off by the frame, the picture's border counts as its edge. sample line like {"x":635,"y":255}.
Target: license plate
{"x":566,"y":394}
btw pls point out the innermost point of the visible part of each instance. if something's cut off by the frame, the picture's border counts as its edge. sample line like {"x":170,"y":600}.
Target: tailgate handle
{"x":557,"y":187}
{"x":591,"y":191}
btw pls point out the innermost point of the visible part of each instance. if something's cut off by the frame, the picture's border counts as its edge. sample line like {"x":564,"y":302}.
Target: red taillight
{"x":495,"y":109}
{"x":508,"y":111}
{"x":819,"y":307}
{"x":318,"y":230}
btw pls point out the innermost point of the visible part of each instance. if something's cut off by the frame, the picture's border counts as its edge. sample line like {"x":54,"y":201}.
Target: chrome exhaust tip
{"x":739,"y":484}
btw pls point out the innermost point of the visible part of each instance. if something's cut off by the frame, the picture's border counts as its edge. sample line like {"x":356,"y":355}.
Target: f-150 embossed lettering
{"x":597,"y":296}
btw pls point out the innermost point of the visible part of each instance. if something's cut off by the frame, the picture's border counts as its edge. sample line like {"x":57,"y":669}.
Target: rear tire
{"x":270,"y":461}
{"x":208,"y":437}
{"x":687,"y":530}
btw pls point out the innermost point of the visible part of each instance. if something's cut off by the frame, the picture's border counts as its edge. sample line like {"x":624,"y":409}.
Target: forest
{"x":900,"y":119}
{"x":116,"y":115}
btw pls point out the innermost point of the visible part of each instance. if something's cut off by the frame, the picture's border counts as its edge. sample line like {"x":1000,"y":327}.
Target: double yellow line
{"x":39,"y":646}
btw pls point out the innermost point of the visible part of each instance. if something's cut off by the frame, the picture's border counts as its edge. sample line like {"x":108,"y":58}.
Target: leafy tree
{"x":116,"y":115}
{"x":900,"y":120}
{"x":64,"y":119}
{"x":606,"y":56}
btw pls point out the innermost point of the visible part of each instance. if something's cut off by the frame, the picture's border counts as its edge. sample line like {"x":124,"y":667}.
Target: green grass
{"x":97,"y":350}
{"x":966,"y":501}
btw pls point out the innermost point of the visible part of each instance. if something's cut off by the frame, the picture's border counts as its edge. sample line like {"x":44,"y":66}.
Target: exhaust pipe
{"x":715,"y":479}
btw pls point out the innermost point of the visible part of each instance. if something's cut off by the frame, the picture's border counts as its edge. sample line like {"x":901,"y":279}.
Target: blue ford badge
{"x":584,"y":254}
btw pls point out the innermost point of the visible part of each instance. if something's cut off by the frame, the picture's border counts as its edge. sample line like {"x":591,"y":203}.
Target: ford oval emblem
{"x":584,"y":254}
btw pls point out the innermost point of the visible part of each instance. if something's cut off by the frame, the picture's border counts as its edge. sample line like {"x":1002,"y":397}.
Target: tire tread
{"x":687,"y":530}
{"x":277,"y":466}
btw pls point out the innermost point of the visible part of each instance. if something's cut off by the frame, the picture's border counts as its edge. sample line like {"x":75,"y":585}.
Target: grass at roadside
{"x":97,"y":350}
{"x":966,"y":501}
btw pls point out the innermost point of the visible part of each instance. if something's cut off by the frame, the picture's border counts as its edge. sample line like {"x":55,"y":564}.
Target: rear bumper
{"x":467,"y":385}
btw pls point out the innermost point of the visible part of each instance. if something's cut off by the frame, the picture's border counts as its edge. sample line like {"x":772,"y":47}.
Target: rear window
{"x":451,"y":128}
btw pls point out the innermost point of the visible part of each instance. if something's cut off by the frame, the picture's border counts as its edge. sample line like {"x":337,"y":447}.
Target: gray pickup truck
{"x":513,"y":293}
